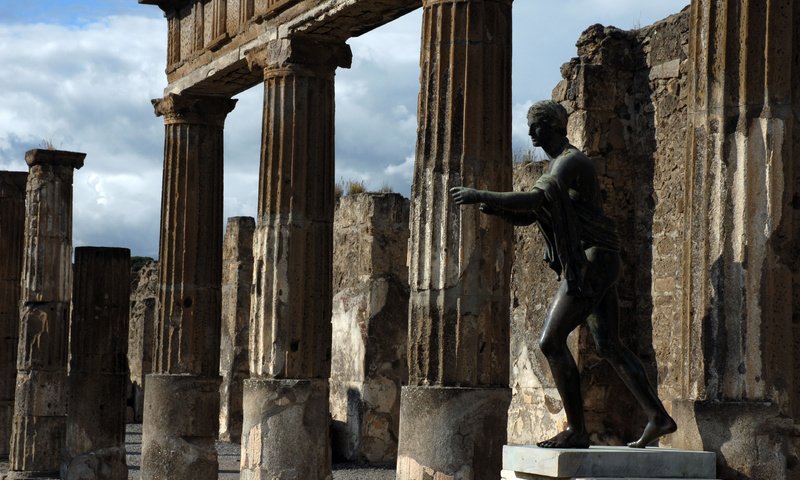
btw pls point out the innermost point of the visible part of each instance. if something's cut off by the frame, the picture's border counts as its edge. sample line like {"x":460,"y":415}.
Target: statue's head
{"x":548,"y":114}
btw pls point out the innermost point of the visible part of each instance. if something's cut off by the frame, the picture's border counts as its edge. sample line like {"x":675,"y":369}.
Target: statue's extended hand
{"x":464,"y":195}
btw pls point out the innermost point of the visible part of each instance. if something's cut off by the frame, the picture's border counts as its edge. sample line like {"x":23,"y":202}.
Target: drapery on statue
{"x":583,"y":246}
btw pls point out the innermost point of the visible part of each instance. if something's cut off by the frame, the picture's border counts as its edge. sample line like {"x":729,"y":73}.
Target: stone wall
{"x":234,"y":366}
{"x":144,"y":308}
{"x":370,"y":325}
{"x":625,"y":93}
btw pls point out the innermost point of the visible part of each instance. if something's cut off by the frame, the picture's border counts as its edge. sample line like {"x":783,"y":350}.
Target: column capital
{"x":301,"y":54}
{"x":55,"y":158}
{"x":196,"y":109}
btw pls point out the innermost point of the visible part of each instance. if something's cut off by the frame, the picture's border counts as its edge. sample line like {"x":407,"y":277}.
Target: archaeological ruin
{"x":386,"y":331}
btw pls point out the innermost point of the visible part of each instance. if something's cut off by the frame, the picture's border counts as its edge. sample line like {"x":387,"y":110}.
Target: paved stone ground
{"x":229,"y":462}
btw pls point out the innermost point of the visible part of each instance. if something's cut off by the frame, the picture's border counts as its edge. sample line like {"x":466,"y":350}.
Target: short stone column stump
{"x":527,"y":462}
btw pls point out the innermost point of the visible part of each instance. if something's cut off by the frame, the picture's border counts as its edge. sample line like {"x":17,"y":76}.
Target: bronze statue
{"x":583,"y":246}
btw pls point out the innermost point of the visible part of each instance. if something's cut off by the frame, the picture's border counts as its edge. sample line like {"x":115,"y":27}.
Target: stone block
{"x":41,"y":393}
{"x":609,"y":462}
{"x":451,"y":432}
{"x":178,"y":439}
{"x":36,"y":446}
{"x":750,"y":437}
{"x":43,"y":336}
{"x":285,"y":430}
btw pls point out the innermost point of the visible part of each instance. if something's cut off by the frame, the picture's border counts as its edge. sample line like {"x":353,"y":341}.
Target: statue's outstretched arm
{"x":511,"y":201}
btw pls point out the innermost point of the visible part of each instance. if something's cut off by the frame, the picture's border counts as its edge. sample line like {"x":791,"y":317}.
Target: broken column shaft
{"x":453,"y":413}
{"x":181,"y":408}
{"x":286,"y":398}
{"x":40,"y":409}
{"x":12,"y":228}
{"x":98,"y":371}
{"x":234,"y":365}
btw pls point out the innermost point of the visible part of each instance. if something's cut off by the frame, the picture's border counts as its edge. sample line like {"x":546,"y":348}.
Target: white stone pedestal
{"x":527,"y":462}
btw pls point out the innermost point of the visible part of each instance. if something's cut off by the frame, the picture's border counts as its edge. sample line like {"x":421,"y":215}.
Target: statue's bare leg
{"x":604,"y":326}
{"x":566,"y":313}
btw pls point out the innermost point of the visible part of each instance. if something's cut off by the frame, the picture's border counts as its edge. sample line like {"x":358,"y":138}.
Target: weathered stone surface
{"x":98,"y":373}
{"x":39,"y":425}
{"x":370,"y":326}
{"x":290,"y":329}
{"x":12,"y":228}
{"x":48,"y":230}
{"x":739,"y":329}
{"x":190,"y":255}
{"x":460,"y":259}
{"x":750,"y":438}
{"x":452,"y":432}
{"x":187,"y":334}
{"x":181,"y":413}
{"x":234,"y":366}
{"x":141,"y":333}
{"x":281,"y":431}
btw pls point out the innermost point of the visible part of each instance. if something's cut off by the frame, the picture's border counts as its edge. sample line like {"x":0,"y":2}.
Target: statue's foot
{"x":656,"y":427}
{"x":567,"y":439}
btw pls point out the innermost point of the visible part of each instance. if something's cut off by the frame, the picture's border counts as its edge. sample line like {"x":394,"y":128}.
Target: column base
{"x":752,"y":439}
{"x":452,"y":432}
{"x":102,"y":464}
{"x":181,"y":414}
{"x":285,"y":430}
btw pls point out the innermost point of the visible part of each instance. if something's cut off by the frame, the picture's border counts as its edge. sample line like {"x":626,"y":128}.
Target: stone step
{"x":509,"y":475}
{"x":528,"y":462}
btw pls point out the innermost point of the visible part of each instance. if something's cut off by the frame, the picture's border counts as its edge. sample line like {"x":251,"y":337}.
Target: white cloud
{"x":404,"y":170}
{"x":88,"y":89}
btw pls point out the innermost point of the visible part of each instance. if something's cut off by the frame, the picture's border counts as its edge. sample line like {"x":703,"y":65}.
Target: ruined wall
{"x":625,"y":93}
{"x":370,"y":325}
{"x":144,"y":307}
{"x":234,"y":366}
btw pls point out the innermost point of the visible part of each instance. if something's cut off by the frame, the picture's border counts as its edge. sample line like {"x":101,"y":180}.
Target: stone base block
{"x":451,"y":432}
{"x":365,"y":420}
{"x":30,"y":476}
{"x":509,"y":475}
{"x":607,"y":463}
{"x":36,"y":446}
{"x":753,"y":440}
{"x":6,"y":422}
{"x":102,"y":464}
{"x":285,"y":430}
{"x":181,"y":414}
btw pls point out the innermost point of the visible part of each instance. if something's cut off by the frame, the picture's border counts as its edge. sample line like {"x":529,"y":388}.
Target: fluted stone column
{"x":453,"y":414}
{"x":98,"y":370}
{"x":739,"y":373}
{"x":40,"y":406}
{"x":12,"y":227}
{"x":234,"y":366}
{"x":181,"y":408}
{"x":286,"y":398}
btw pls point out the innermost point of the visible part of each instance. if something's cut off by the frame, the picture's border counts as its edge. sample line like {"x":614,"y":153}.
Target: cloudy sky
{"x":80,"y":74}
